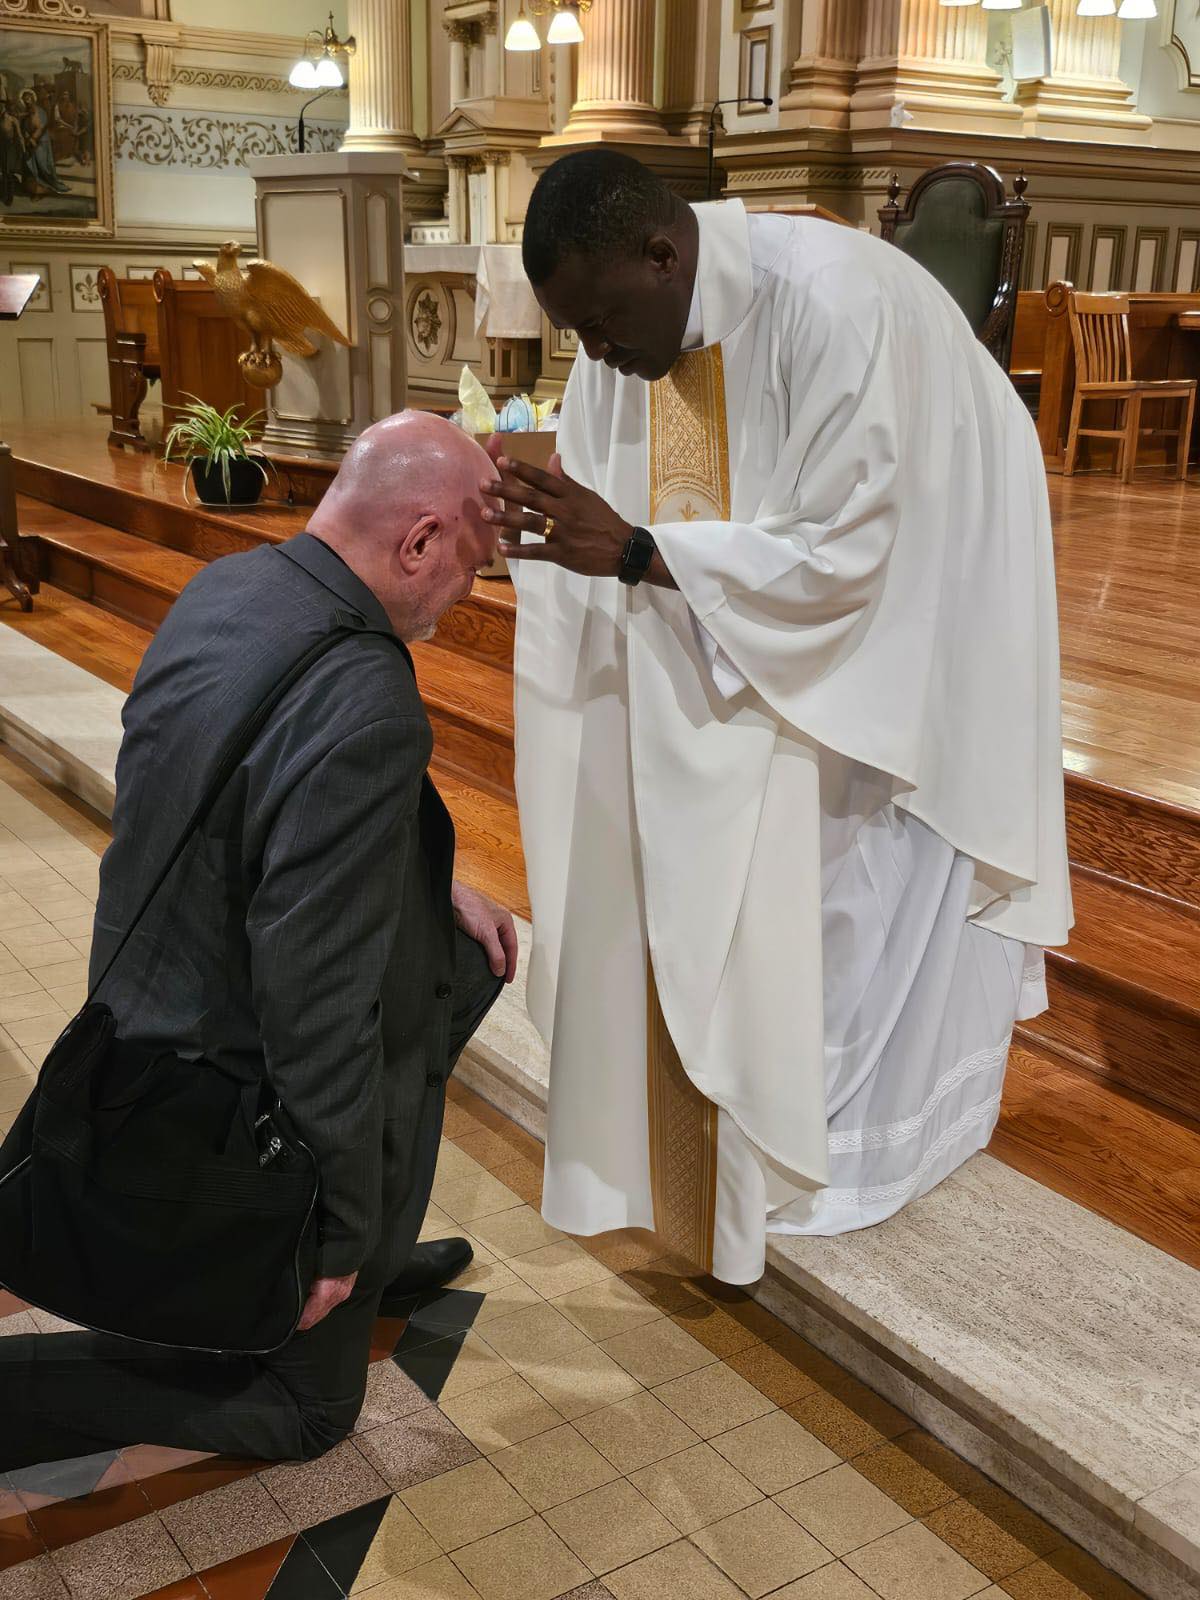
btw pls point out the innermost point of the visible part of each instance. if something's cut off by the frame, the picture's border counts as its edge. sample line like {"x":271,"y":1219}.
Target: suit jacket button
{"x":432,"y":1079}
{"x":444,"y":991}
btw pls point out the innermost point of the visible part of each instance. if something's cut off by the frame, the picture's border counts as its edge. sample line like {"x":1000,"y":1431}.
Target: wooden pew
{"x":131,"y":335}
{"x":199,"y":348}
{"x":1160,"y":345}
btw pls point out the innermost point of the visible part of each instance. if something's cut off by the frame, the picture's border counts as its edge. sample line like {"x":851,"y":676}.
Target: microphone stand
{"x":327,"y":90}
{"x":739,"y":100}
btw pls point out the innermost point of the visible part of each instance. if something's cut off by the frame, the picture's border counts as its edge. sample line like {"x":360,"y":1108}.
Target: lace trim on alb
{"x":858,"y":1139}
{"x":901,"y":1190}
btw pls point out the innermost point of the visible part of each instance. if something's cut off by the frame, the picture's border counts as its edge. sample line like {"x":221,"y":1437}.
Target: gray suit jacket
{"x":309,"y":928}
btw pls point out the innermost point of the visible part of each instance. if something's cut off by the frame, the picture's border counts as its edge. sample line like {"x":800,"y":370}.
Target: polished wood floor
{"x":1128,"y":562}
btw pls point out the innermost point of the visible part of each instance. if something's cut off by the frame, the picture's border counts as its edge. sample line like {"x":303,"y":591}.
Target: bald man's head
{"x":405,"y":512}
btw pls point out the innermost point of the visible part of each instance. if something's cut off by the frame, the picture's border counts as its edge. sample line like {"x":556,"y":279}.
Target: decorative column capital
{"x":465,"y":33}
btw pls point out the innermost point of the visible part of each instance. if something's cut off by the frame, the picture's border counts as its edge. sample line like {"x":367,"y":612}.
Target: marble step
{"x":1050,"y":1348}
{"x":1125,"y":993}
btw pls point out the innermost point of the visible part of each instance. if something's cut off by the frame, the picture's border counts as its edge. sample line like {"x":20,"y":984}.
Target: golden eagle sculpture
{"x":273,"y":308}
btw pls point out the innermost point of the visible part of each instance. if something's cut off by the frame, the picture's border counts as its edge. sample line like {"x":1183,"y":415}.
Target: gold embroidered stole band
{"x":689,"y":481}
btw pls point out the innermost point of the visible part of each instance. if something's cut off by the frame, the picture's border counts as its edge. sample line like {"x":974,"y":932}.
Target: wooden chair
{"x":959,"y":223}
{"x":200,"y":346}
{"x":1104,"y":371}
{"x":131,"y":335}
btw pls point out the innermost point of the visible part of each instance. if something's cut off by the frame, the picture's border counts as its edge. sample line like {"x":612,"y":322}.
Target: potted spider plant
{"x":218,"y":452}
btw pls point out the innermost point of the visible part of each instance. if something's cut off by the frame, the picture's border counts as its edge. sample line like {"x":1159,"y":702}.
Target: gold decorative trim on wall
{"x":219,"y":78}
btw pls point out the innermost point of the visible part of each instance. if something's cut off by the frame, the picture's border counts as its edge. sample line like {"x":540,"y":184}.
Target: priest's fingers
{"x":548,"y":482}
{"x":527,"y":552}
{"x":519,"y":521}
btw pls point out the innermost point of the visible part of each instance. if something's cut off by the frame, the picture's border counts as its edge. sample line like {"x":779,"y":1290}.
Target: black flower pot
{"x":245,"y":482}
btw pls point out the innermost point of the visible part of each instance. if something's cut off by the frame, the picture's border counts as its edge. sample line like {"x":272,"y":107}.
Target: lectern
{"x":16,"y":291}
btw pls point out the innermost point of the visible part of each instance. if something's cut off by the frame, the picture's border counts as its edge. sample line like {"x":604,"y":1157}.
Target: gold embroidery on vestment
{"x":689,"y":481}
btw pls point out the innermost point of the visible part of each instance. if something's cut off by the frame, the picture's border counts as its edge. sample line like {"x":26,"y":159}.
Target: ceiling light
{"x":522,"y":35}
{"x":565,"y":28}
{"x":1096,"y":8}
{"x":1137,"y":10}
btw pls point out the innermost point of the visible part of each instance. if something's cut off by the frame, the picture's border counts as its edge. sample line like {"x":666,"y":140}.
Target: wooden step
{"x":470,"y":706}
{"x":484,"y":625}
{"x":1103,"y":1146}
{"x":152,"y":504}
{"x":488,"y":854}
{"x":1125,"y":993}
{"x":1147,"y":842}
{"x":116,"y":571}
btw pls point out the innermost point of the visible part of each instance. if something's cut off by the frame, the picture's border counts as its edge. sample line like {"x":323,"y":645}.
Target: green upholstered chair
{"x":962,"y":227}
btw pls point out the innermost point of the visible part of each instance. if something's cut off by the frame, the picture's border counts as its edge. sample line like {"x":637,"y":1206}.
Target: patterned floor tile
{"x":527,"y":1560}
{"x":761,"y":1548}
{"x":611,"y":1526}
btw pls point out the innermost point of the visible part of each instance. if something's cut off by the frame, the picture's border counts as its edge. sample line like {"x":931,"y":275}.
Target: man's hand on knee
{"x":325,"y":1294}
{"x":491,"y":926}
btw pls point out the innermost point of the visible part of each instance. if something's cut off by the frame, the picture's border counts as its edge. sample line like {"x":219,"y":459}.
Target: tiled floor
{"x":576,"y":1417}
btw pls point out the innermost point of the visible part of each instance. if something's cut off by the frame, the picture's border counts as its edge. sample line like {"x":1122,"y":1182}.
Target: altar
{"x":470,"y":305}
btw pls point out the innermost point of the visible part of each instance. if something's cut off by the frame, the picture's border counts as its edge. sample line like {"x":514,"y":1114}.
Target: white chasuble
{"x":793,"y":833}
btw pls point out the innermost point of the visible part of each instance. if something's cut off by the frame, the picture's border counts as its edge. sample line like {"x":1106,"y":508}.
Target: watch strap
{"x":636,"y":557}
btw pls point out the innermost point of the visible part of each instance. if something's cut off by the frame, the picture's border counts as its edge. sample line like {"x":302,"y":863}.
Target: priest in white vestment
{"x":789,"y":757}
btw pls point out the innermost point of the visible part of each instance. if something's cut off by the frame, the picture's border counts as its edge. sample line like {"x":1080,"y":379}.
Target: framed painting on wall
{"x":55,"y":128}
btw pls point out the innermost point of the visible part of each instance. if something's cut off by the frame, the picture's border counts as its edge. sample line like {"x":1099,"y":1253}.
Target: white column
{"x":1085,"y":89}
{"x":381,"y":99}
{"x":616,"y":76}
{"x":691,"y":54}
{"x":930,"y":61}
{"x":459,"y":34}
{"x":822,"y":77}
{"x":493,"y":57}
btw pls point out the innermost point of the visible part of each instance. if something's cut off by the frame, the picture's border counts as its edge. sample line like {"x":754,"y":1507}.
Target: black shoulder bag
{"x":161,"y":1199}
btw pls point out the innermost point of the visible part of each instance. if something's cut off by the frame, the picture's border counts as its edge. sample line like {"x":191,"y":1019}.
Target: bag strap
{"x":252,"y":725}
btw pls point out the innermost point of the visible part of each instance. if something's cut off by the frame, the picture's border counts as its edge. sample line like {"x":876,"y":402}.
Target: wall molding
{"x":209,"y":141}
{"x":244,"y":82}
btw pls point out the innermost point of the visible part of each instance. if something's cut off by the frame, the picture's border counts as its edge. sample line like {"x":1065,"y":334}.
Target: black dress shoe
{"x":431,"y":1266}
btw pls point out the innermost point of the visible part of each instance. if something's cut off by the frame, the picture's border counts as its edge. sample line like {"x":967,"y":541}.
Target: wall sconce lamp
{"x":564,"y":26}
{"x":318,"y":67}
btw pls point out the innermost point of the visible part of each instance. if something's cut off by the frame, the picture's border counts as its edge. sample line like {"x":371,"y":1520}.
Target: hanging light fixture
{"x":565,"y":27}
{"x":1096,"y":8}
{"x":522,"y":35}
{"x":318,"y":67}
{"x":1001,"y":5}
{"x":1136,"y":10}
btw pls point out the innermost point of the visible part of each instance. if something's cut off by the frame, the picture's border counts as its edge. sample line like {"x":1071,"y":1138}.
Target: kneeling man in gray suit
{"x":313,"y":924}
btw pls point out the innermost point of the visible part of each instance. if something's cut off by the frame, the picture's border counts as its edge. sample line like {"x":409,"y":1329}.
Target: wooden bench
{"x":131,"y":336}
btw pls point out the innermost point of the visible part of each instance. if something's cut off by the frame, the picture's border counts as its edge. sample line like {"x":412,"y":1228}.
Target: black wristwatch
{"x":636,"y":557}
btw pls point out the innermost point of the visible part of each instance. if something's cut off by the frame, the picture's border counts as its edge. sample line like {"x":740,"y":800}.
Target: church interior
{"x":992,"y":1394}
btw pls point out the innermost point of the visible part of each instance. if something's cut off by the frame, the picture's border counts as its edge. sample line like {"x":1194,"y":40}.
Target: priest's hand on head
{"x":582,"y":531}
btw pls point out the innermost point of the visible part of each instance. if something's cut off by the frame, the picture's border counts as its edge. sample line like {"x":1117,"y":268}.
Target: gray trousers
{"x":73,"y":1394}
